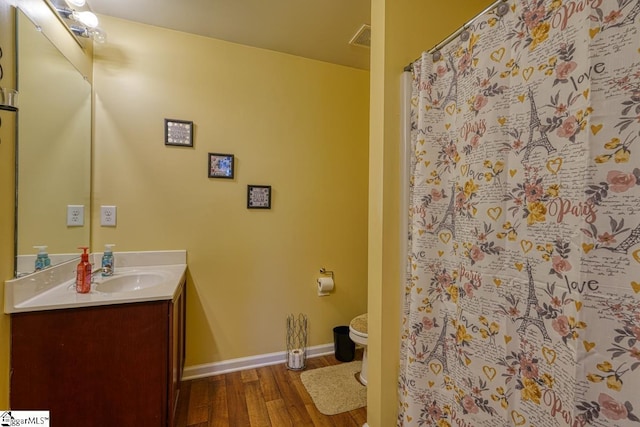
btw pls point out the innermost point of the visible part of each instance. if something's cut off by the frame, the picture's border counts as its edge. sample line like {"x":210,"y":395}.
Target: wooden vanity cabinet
{"x":97,"y":366}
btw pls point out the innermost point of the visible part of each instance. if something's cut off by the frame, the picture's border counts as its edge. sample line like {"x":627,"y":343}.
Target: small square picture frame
{"x":258,"y":197}
{"x":178,"y":133}
{"x":221,"y":165}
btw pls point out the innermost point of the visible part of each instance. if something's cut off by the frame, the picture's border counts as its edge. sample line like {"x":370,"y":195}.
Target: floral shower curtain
{"x":522,"y":306}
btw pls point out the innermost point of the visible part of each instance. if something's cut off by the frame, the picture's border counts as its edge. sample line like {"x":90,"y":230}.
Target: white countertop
{"x":54,"y":288}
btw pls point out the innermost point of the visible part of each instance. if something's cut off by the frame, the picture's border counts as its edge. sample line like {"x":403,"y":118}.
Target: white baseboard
{"x":232,"y":365}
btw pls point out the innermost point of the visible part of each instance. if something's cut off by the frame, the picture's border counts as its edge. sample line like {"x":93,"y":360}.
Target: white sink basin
{"x":139,"y":277}
{"x":131,"y":282}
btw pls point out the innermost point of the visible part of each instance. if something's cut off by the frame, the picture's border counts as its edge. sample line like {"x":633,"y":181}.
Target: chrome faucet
{"x":94,"y":273}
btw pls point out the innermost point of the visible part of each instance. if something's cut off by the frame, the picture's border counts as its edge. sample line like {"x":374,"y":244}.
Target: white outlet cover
{"x":108,"y":216}
{"x":75,"y":215}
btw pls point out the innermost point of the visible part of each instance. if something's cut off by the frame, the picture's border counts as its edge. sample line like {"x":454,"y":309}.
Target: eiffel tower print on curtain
{"x":535,"y":126}
{"x":630,"y":18}
{"x":439,"y":350}
{"x":632,"y":239}
{"x":448,"y":221}
{"x":452,"y":93}
{"x":532,"y":319}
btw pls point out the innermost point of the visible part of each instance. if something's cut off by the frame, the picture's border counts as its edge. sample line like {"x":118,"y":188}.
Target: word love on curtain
{"x":523,"y":303}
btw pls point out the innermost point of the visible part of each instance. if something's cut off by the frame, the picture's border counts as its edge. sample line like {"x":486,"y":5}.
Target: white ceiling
{"x":316,"y":29}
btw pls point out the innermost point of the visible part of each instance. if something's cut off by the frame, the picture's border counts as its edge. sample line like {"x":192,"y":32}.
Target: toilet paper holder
{"x":325,"y":284}
{"x":325,"y":271}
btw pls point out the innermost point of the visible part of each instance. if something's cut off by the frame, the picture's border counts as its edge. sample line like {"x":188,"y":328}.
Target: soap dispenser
{"x":83,"y":273}
{"x":42,"y":259}
{"x":108,"y":262}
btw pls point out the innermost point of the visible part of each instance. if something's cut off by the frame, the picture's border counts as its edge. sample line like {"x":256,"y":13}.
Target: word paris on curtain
{"x":522,"y":303}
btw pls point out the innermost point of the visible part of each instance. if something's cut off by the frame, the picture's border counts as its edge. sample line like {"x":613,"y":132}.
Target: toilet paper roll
{"x":296,"y":359}
{"x":325,"y":285}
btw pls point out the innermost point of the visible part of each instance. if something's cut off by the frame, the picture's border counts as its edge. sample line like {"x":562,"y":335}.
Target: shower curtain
{"x":522,"y":303}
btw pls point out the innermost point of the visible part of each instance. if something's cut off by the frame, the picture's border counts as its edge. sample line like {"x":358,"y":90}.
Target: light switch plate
{"x":108,"y":216}
{"x":75,"y":215}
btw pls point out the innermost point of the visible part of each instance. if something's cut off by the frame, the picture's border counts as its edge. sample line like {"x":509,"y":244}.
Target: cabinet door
{"x":177,"y":348}
{"x":93,"y":366}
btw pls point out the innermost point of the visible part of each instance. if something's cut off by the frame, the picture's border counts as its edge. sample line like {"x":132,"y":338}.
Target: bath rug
{"x":335,"y":389}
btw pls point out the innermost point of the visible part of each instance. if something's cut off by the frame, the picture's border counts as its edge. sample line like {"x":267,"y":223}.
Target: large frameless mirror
{"x":53,"y":151}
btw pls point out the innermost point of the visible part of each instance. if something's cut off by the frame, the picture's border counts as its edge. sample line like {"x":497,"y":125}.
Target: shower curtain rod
{"x":456,"y":33}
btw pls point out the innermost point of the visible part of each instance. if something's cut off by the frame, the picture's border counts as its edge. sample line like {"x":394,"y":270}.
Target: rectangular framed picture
{"x":178,"y":132}
{"x":220,"y":165}
{"x":259,"y":197}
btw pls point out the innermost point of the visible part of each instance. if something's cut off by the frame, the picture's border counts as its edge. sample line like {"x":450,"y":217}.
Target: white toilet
{"x":358,"y":334}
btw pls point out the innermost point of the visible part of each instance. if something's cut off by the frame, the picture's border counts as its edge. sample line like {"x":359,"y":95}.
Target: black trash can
{"x":344,"y":348}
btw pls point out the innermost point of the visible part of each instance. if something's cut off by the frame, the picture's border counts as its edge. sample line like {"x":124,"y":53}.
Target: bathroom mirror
{"x":53,"y":169}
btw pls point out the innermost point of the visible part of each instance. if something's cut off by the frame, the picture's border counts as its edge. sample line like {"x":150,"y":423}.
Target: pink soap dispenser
{"x":83,"y":273}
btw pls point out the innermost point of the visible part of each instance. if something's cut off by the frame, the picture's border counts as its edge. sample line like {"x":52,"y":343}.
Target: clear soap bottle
{"x":42,"y":259}
{"x":83,"y":273}
{"x":108,"y":261}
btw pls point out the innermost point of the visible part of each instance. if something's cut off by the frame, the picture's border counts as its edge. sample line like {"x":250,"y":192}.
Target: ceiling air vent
{"x":363,"y":37}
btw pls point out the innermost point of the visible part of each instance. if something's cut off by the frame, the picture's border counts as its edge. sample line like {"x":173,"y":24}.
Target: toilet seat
{"x":359,"y":327}
{"x":358,"y":332}
{"x":357,"y":338}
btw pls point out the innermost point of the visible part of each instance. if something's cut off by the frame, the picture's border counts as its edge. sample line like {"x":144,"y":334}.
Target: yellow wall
{"x":7,"y":189}
{"x":298,"y":125}
{"x":402,"y":29}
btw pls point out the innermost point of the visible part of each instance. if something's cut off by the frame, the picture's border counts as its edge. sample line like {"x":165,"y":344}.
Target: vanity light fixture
{"x":87,"y":18}
{"x":75,"y":3}
{"x":97,"y":34}
{"x":82,"y":23}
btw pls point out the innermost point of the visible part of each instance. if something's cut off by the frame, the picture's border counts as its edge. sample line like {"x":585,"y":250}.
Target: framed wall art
{"x":178,"y":132}
{"x":221,"y":165}
{"x":259,"y":197}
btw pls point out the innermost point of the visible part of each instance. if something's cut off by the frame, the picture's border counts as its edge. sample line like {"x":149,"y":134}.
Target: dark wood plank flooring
{"x":271,"y":396}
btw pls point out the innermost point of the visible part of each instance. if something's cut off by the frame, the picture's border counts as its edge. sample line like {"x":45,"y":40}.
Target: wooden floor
{"x":268,"y":396}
